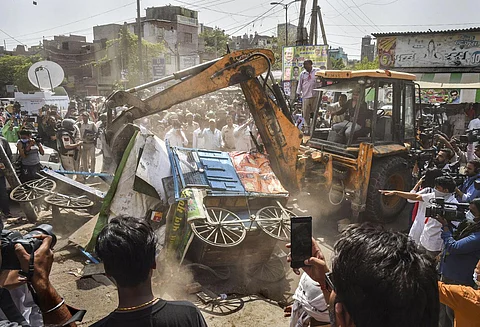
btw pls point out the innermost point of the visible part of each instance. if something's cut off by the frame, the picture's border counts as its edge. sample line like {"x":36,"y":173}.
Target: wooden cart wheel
{"x":33,"y":190}
{"x":69,"y":202}
{"x":275,"y":221}
{"x":225,"y":229}
{"x":272,"y":270}
{"x":221,"y":307}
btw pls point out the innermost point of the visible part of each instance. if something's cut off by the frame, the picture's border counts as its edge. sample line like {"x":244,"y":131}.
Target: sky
{"x":346,"y":21}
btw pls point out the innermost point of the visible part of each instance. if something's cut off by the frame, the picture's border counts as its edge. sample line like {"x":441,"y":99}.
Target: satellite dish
{"x":46,"y":75}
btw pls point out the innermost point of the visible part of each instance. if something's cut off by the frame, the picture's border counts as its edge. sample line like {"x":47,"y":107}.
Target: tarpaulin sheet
{"x":256,"y":173}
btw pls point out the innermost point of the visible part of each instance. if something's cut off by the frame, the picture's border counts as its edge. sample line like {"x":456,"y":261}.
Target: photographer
{"x":53,"y":307}
{"x":467,"y":192}
{"x":460,"y":156}
{"x":29,"y":151}
{"x":461,"y":251}
{"x":430,"y":240}
{"x":442,"y":160}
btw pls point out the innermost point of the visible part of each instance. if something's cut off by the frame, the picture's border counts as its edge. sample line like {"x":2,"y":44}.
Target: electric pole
{"x":140,"y":58}
{"x":312,"y":40}
{"x":322,"y":27}
{"x":301,"y":21}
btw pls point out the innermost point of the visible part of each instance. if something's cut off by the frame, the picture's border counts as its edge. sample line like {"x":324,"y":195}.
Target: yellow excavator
{"x":353,"y":169}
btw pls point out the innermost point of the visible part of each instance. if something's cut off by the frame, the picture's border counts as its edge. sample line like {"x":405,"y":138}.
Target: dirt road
{"x":250,"y":302}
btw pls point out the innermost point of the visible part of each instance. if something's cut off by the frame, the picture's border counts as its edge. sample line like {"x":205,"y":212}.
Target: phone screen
{"x":301,"y":240}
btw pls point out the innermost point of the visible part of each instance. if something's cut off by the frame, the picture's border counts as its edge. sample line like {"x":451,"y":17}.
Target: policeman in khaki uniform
{"x":67,"y":147}
{"x":88,"y":134}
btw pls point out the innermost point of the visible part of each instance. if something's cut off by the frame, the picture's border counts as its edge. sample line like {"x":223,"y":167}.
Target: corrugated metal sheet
{"x":468,"y":30}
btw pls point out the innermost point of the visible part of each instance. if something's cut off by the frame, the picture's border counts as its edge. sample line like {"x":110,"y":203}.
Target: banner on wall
{"x":293,"y":58}
{"x":460,"y":49}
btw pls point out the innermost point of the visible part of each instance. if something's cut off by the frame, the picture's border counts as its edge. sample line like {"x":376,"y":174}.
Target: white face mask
{"x":439,"y":194}
{"x":475,"y":279}
{"x":469,"y":216}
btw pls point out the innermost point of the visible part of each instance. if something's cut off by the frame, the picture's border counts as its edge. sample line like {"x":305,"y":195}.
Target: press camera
{"x":472,"y":136}
{"x":28,"y":241}
{"x":448,"y":211}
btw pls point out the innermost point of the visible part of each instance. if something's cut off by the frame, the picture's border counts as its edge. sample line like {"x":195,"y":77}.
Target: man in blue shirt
{"x":467,"y":192}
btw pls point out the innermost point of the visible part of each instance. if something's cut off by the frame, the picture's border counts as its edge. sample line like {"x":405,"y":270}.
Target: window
{"x":188,"y":37}
{"x":65,"y":46}
{"x":106,"y":69}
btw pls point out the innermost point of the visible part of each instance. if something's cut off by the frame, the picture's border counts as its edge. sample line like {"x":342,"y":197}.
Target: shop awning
{"x":449,"y":80}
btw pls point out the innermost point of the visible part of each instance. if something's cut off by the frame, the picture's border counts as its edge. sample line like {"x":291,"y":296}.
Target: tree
{"x":13,"y":71}
{"x":215,"y":41}
{"x":337,"y":64}
{"x":127,"y":50}
{"x":365,"y":64}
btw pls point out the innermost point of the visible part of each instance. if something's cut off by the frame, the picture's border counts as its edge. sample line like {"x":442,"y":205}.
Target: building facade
{"x":368,"y":48}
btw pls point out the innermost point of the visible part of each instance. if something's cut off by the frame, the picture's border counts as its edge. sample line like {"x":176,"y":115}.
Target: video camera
{"x":472,"y":136}
{"x":448,"y":211}
{"x":423,"y":155}
{"x":28,"y":241}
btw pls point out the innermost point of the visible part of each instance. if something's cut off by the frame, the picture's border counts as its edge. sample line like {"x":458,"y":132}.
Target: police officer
{"x":67,"y":146}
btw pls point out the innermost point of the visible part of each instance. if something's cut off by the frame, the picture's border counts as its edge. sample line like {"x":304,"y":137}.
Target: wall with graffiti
{"x":429,"y":50}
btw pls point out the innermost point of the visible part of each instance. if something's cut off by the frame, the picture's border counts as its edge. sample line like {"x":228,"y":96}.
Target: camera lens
{"x":43,"y":229}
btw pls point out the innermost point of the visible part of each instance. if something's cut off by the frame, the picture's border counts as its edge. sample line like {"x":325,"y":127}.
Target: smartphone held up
{"x":301,"y":240}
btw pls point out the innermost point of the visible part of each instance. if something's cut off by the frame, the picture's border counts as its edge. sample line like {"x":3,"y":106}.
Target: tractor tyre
{"x":387,"y":174}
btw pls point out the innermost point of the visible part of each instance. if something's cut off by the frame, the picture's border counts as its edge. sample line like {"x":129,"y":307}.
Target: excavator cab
{"x":365,"y":146}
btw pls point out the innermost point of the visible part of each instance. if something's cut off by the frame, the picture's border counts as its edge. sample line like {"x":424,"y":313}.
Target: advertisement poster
{"x":293,"y":58}
{"x":429,"y":50}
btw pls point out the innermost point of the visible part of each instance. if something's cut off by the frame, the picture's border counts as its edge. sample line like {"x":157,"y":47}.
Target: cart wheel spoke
{"x":279,"y":226}
{"x":226,"y":230}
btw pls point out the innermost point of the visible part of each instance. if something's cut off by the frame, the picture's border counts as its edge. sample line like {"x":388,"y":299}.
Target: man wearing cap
{"x":88,"y":135}
{"x":211,"y":136}
{"x":306,"y":84}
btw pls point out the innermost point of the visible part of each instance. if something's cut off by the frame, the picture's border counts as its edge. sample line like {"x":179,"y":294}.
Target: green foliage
{"x":337,"y":64}
{"x":13,"y":71}
{"x":365,"y":64}
{"x":126,"y":49}
{"x":215,"y":41}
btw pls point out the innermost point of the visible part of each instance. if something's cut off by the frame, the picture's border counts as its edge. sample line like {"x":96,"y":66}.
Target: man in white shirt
{"x":175,"y":136}
{"x":306,"y":84}
{"x":243,"y":139}
{"x":430,"y":239}
{"x":199,"y":142}
{"x":473,"y":124}
{"x":228,"y":138}
{"x":211,"y":136}
{"x":189,"y":127}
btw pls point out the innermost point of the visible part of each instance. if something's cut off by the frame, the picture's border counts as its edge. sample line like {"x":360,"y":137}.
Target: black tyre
{"x":387,"y":174}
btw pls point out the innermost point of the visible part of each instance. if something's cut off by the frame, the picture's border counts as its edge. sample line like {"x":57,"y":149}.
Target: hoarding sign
{"x":429,"y":50}
{"x":158,"y":67}
{"x":293,"y":58}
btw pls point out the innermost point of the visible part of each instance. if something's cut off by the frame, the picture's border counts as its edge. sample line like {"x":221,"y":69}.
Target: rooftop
{"x":469,"y":30}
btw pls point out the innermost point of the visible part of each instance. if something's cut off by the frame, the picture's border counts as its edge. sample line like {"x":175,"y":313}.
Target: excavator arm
{"x":280,"y":136}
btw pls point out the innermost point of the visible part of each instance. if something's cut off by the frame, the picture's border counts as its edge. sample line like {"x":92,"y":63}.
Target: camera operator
{"x":464,"y":300}
{"x":442,"y":160}
{"x":460,"y":156}
{"x":430,"y":240}
{"x":29,"y":151}
{"x":461,"y":252}
{"x":467,"y":192}
{"x":53,"y":307}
